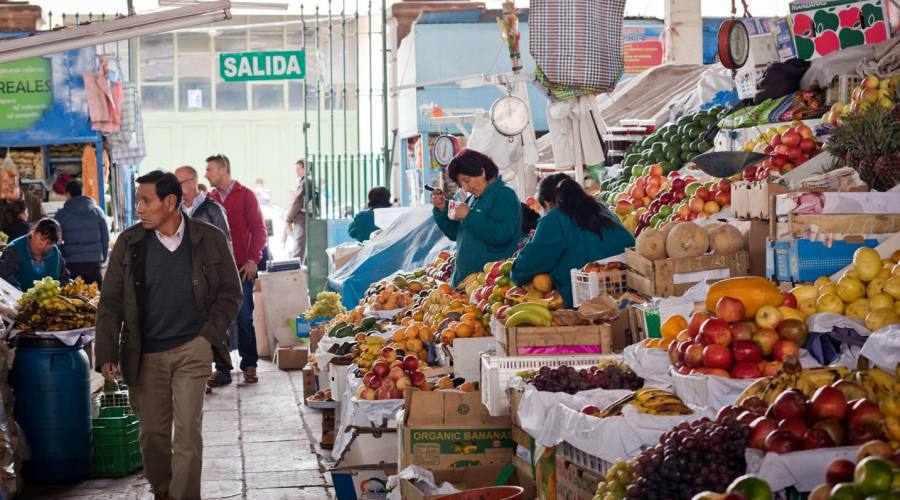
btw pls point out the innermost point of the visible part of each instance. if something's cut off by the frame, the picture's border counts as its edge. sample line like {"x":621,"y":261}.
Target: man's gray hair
{"x":189,"y":168}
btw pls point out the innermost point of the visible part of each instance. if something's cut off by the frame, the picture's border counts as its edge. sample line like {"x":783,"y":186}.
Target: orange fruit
{"x":414,"y":345}
{"x":471,"y":309}
{"x":400,"y":345}
{"x":666,"y":343}
{"x":398,"y":335}
{"x":542,"y":282}
{"x":424,"y":333}
{"x":445,"y":289}
{"x":447,"y":338}
{"x":653,"y":343}
{"x":469,"y":319}
{"x":672,"y":326}
{"x":411,"y":333}
{"x":406,"y":321}
{"x":464,"y":330}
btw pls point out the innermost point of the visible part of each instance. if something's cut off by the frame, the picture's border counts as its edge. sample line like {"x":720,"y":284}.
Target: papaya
{"x":754,"y":292}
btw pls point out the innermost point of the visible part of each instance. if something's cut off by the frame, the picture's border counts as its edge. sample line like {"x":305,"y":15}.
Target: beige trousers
{"x":170,"y":389}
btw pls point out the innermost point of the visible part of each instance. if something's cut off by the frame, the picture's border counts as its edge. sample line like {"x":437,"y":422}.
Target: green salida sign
{"x":26,"y":92}
{"x":255,"y":66}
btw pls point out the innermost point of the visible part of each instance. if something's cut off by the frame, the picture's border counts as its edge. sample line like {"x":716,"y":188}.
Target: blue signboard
{"x":42,"y":100}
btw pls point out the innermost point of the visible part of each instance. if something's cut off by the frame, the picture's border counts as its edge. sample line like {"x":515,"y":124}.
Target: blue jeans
{"x":246,"y":332}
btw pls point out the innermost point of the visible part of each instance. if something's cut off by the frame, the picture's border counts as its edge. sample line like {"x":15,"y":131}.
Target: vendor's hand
{"x":462,"y":210}
{"x":438,"y":200}
{"x":248,"y":270}
{"x":109,"y":371}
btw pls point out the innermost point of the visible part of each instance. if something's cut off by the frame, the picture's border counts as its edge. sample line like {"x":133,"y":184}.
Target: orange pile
{"x":411,"y":337}
{"x":468,"y":326}
{"x":669,"y":330}
{"x":390,"y":299}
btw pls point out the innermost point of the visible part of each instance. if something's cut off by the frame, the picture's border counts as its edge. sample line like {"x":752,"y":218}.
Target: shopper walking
{"x":34,"y":257}
{"x":248,"y":237}
{"x":305,"y":201}
{"x":198,"y":206}
{"x":171,"y":291}
{"x":85,"y":234}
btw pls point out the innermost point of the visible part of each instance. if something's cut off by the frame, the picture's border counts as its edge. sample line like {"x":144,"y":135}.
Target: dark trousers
{"x":88,"y":271}
{"x":246,"y":332}
{"x":222,"y":358}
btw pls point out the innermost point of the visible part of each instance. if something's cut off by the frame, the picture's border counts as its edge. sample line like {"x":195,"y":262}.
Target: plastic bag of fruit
{"x":882,"y":348}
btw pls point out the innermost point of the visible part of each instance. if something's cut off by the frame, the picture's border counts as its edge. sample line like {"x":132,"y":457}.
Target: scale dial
{"x":444,"y":149}
{"x":734,"y":44}
{"x":510,"y":115}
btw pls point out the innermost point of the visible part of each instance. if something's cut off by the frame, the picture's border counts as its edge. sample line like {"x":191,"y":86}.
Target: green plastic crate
{"x":116,"y":443}
{"x":116,"y":466}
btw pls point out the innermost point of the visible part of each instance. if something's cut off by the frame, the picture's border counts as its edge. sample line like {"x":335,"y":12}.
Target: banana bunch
{"x":891,"y":409}
{"x":659,"y":402}
{"x":880,"y":384}
{"x":369,"y":351}
{"x":806,"y":380}
{"x":528,"y":314}
{"x":470,"y":284}
{"x":78,"y":288}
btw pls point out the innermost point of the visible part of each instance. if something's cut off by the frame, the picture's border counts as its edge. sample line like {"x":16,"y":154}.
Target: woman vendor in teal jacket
{"x":363,"y":224}
{"x":487,"y":226}
{"x":574,"y":231}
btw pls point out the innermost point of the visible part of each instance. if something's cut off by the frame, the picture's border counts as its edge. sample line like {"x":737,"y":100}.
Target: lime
{"x":751,"y":487}
{"x":665,"y":210}
{"x":656,"y":219}
{"x":691,"y":188}
{"x":845,"y":491}
{"x":873,"y":475}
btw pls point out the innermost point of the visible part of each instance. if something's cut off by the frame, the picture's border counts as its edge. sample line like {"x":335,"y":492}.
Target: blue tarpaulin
{"x":409,"y":243}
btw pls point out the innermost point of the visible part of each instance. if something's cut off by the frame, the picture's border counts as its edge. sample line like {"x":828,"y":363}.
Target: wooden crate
{"x":539,"y":336}
{"x":515,"y":398}
{"x":672,"y":277}
{"x":798,"y":225}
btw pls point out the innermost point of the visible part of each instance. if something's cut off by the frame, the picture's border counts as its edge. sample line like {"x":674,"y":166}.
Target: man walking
{"x":198,"y":206}
{"x":171,"y":290}
{"x":304,"y":200}
{"x":85,"y":234}
{"x":248,"y":237}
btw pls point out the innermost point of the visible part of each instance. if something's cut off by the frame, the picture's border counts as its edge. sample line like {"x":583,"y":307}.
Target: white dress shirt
{"x":198,"y":200}
{"x":172,"y":242}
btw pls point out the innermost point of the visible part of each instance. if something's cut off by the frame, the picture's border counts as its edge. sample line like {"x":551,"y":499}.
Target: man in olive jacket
{"x":170,"y":291}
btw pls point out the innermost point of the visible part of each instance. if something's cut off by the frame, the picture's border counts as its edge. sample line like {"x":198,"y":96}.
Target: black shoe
{"x":218,"y":379}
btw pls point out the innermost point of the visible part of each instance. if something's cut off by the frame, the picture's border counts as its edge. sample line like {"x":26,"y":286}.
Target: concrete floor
{"x":259,"y":444}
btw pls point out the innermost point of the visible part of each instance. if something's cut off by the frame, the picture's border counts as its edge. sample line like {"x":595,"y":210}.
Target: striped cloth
{"x":577,"y":44}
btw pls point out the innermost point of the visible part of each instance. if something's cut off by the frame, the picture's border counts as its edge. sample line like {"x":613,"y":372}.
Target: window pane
{"x":193,"y":42}
{"x":231,"y":96}
{"x":157,"y":98}
{"x":267,"y":37}
{"x":295,"y":95}
{"x":231,"y":40}
{"x":268,"y":97}
{"x":157,"y":58}
{"x":194,"y":94}
{"x":194,"y":66}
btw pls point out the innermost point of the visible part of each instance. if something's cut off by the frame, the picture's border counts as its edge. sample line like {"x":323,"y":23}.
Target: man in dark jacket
{"x":200,"y":207}
{"x":85,"y":234}
{"x":170,"y":292}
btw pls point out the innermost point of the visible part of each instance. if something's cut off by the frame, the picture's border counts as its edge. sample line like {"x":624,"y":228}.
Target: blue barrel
{"x":52,"y":384}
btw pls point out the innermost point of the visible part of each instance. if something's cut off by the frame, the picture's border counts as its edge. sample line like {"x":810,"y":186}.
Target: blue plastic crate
{"x":779,"y":251}
{"x":810,"y":259}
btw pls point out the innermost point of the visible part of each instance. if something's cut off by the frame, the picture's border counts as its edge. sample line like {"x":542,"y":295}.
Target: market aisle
{"x":257,"y":446}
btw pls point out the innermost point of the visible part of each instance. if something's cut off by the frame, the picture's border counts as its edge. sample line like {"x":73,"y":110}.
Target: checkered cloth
{"x":127,"y":146}
{"x":577,"y":43}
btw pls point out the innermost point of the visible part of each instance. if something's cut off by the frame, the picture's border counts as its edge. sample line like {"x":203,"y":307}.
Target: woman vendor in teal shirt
{"x":574,"y":231}
{"x":363,"y":224}
{"x":487,"y":226}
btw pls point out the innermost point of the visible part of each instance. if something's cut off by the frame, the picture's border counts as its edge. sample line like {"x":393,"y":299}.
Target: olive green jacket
{"x":217,"y":294}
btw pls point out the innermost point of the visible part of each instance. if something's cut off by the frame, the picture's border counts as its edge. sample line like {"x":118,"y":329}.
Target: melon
{"x":710,"y":227}
{"x":687,"y":240}
{"x":665,"y":228}
{"x":725,"y":239}
{"x":651,"y":244}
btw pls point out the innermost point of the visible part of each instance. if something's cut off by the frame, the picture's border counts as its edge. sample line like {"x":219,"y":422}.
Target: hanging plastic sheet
{"x":404,"y":245}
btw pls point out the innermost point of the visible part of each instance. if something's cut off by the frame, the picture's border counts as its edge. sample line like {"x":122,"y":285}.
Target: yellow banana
{"x":526,"y":318}
{"x":892,"y":426}
{"x":531,"y":307}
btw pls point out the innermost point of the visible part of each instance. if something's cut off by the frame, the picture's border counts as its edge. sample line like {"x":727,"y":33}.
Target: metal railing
{"x":343,"y":182}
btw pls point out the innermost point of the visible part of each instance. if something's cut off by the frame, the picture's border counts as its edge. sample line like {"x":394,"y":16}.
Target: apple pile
{"x":794,"y":422}
{"x":787,"y":151}
{"x":442,"y":268}
{"x":875,"y":473}
{"x":871,"y":92}
{"x":724,"y":344}
{"x":390,"y":376}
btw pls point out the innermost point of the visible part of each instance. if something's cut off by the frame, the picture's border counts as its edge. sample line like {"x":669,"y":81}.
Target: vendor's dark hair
{"x":472,"y":163}
{"x":73,"y":188}
{"x":49,"y":229}
{"x":529,"y":219}
{"x":165,"y":182}
{"x":570,"y":198}
{"x":379,"y":197}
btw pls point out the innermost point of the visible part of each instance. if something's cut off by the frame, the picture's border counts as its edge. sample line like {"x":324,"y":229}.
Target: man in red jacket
{"x":248,"y":237}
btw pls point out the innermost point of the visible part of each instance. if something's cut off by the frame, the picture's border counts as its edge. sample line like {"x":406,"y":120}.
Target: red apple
{"x":682,"y":349}
{"x":766,"y":338}
{"x":817,"y":438}
{"x":717,"y":356}
{"x":772,"y":368}
{"x":396,"y":373}
{"x":790,"y":138}
{"x":864,"y":434}
{"x":759,"y":431}
{"x":796,"y":426}
{"x":404,"y":383}
{"x":789,"y":300}
{"x":789,"y":404}
{"x":747,"y":417}
{"x":775,"y":141}
{"x":374,"y":382}
{"x":697,"y":320}
{"x":851,"y":390}
{"x":418,"y":378}
{"x":756,"y":405}
{"x":396,"y":394}
{"x":411,"y":363}
{"x":381,"y":369}
{"x":715,"y":331}
{"x":840,"y":471}
{"x":781,"y":441}
{"x":834,"y":428}
{"x":382,"y":393}
{"x":368,"y":393}
{"x":368,"y":378}
{"x":591,"y":410}
{"x":742,"y":331}
{"x":722,"y":198}
{"x":794,"y":330}
{"x":694,"y":356}
{"x":696,"y":204}
{"x":784,"y":348}
{"x":804,"y":131}
{"x":746,"y":351}
{"x":807,"y":145}
{"x":828,"y":402}
{"x":673,"y":352}
{"x":746,"y":371}
{"x":730,"y":309}
{"x":703,"y":193}
{"x":716,"y":372}
{"x":388,"y":354}
{"x":864,"y":412}
{"x":728,"y":411}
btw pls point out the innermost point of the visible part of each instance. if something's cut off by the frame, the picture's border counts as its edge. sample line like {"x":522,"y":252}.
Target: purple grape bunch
{"x":571,"y":380}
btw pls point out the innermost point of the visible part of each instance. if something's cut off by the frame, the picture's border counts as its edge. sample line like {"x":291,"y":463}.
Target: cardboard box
{"x":326,"y":440}
{"x":672,"y":277}
{"x":310,"y":381}
{"x":465,"y":355}
{"x":529,"y":341}
{"x":449,"y":429}
{"x":291,"y":358}
{"x":574,"y":482}
{"x":364,"y":468}
{"x":524,"y":451}
{"x":515,"y":399}
{"x":469,"y":478}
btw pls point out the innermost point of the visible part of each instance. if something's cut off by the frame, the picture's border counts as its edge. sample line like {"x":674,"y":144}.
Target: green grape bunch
{"x":328,"y":305}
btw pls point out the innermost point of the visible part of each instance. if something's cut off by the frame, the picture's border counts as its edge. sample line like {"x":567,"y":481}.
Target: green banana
{"x":526,"y":318}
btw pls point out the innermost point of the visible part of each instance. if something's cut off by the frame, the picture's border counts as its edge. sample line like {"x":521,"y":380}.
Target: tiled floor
{"x":259,"y":444}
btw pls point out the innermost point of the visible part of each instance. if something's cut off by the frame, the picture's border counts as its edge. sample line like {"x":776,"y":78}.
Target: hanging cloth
{"x":575,"y":130}
{"x":577,"y":44}
{"x":104,"y":98}
{"x":89,"y":180}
